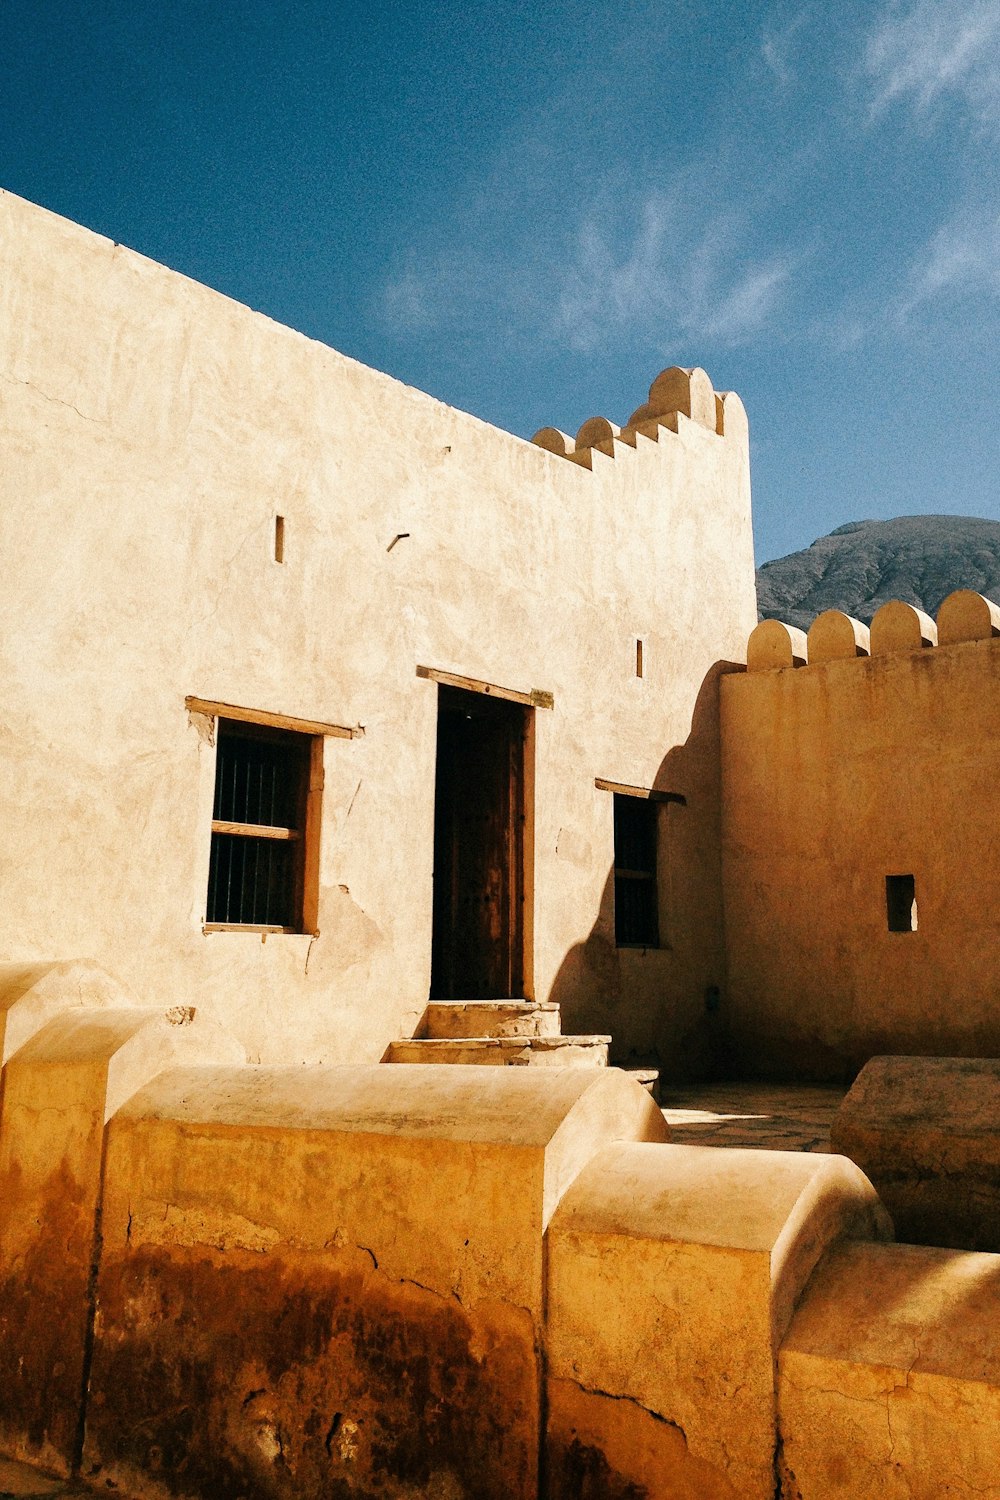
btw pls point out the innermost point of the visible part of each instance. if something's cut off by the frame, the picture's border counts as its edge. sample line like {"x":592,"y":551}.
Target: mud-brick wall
{"x":152,"y":431}
{"x":331,"y":1280}
{"x":835,"y":776}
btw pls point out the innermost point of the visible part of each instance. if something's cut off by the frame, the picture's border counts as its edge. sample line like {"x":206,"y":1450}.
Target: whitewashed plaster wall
{"x":150,"y":431}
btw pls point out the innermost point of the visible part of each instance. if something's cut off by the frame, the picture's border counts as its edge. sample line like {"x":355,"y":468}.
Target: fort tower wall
{"x":860,"y":814}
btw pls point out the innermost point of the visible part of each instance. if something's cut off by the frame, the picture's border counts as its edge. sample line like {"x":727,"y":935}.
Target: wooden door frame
{"x":520,"y":830}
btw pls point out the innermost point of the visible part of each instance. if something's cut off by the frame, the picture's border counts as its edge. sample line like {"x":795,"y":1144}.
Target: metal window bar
{"x":255,"y":833}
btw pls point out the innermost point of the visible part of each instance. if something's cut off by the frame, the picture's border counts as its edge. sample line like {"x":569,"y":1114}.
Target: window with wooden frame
{"x":636,"y":897}
{"x":263,"y":870}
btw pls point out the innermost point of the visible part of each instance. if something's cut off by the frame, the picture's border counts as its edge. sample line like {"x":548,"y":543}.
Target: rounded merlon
{"x":597,"y":432}
{"x":643,"y":413}
{"x":731,"y":419}
{"x":836,"y":636}
{"x":687,"y":391}
{"x":901,"y":627}
{"x":774,"y":644}
{"x":967,"y":616}
{"x":553,"y":441}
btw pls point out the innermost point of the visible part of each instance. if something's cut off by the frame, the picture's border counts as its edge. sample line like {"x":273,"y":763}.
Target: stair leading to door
{"x":505,"y":1051}
{"x":490,"y":1018}
{"x":498,"y":1033}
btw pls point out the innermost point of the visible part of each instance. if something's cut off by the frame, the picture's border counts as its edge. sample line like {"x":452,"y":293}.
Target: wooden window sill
{"x":251,"y":927}
{"x":254,"y":830}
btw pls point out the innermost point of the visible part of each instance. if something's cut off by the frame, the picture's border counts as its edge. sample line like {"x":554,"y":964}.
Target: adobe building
{"x":418,"y":655}
{"x":337,"y":726}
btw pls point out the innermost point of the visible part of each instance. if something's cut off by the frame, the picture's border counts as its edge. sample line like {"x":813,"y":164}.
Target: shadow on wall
{"x":666,"y":1004}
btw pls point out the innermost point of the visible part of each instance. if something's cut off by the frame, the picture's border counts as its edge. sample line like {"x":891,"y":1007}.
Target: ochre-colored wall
{"x":151,"y":430}
{"x":379,"y":1240}
{"x":836,"y":775}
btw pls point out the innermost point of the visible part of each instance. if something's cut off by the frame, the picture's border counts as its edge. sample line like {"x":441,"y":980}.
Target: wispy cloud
{"x":669,"y":273}
{"x":962,"y":259}
{"x":661,"y":268}
{"x":949,"y":288}
{"x":439,"y":289}
{"x":926,"y":53}
{"x":751,"y":302}
{"x":778,"y":44}
{"x":405,"y":300}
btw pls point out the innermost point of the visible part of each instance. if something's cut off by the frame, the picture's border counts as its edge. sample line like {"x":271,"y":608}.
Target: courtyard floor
{"x":764,"y":1116}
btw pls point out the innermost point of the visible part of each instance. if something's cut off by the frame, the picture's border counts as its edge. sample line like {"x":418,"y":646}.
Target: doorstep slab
{"x":490,"y":1018}
{"x":498,"y":1052}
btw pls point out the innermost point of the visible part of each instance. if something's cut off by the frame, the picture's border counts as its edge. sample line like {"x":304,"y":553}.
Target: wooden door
{"x":478,"y":941}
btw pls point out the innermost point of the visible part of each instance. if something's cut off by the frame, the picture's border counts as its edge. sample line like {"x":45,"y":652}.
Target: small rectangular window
{"x":261,"y":849}
{"x":636,"y":898}
{"x":901,"y":903}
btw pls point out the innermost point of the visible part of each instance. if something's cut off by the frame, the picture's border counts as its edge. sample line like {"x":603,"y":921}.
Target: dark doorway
{"x":479,"y":812}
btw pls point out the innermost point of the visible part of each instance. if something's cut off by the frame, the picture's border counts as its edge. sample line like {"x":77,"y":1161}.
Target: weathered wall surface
{"x":58,"y":1091}
{"x":330,"y":1281}
{"x":672,"y":1277}
{"x":288,"y":1281}
{"x":151,"y":430}
{"x":925,"y":1132}
{"x":836,"y":775}
{"x":889,"y":1379}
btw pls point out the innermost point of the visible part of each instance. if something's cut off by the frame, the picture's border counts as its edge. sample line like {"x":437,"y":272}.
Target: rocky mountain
{"x":919,"y":559}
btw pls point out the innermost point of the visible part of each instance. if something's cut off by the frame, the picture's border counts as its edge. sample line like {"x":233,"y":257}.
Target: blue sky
{"x":528,"y":209}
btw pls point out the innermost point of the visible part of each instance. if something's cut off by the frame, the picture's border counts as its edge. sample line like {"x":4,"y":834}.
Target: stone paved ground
{"x":775,"y":1117}
{"x":767,"y":1116}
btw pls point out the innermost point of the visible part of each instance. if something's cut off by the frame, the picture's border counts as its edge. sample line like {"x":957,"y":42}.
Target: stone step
{"x":507,"y":1051}
{"x":490,"y":1018}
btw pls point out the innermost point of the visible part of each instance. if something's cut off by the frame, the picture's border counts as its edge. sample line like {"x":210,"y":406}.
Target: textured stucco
{"x":58,"y":1090}
{"x":889,"y":1381}
{"x":672,"y":1275}
{"x":152,"y":430}
{"x":331,"y":1280}
{"x":837,"y":775}
{"x":926,"y":1132}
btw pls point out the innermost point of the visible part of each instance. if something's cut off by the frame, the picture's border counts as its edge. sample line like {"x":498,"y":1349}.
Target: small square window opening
{"x":901,"y":903}
{"x":636,"y":897}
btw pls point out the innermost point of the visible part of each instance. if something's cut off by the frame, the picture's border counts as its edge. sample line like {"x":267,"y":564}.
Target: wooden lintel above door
{"x":536,"y":698}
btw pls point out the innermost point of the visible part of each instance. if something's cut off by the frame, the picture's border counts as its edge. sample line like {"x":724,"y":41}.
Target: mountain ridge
{"x":863,"y":564}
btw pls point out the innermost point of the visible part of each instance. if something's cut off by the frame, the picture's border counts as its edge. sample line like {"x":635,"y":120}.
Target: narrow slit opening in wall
{"x":901,"y":903}
{"x":638,"y":658}
{"x":279,"y":539}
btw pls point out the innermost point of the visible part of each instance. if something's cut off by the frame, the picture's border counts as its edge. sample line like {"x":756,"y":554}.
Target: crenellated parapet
{"x":860,"y":802}
{"x":834,"y":636}
{"x":675,"y":394}
{"x":897,"y":627}
{"x":965,"y":616}
{"x":775,"y":644}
